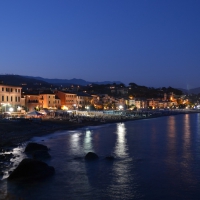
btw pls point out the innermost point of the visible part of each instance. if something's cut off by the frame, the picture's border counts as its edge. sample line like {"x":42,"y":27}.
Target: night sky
{"x":155,"y":43}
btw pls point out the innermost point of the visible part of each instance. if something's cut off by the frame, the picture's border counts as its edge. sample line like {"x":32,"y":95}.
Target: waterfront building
{"x":67,"y":99}
{"x":141,"y":103}
{"x":37,"y":100}
{"x":57,"y":104}
{"x":83,"y":100}
{"x":10,"y":98}
{"x":153,"y":103}
{"x":49,"y":100}
{"x":32,"y":101}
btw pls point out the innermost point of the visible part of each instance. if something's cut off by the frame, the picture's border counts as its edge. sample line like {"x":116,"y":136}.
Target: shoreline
{"x":14,"y":133}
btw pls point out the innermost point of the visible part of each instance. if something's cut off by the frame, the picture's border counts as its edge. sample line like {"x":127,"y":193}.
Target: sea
{"x":154,"y":159}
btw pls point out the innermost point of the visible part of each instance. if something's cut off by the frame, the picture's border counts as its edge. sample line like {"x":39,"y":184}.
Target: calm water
{"x":155,"y":159}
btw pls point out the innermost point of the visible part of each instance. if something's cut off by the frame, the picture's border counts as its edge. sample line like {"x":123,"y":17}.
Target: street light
{"x":87,"y":107}
{"x":120,"y":107}
{"x":19,"y":108}
{"x":11,"y":109}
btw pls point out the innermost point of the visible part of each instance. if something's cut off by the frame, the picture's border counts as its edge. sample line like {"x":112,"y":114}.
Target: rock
{"x":30,"y":169}
{"x":109,"y":158}
{"x":91,"y":156}
{"x":41,"y":154}
{"x":35,"y":147}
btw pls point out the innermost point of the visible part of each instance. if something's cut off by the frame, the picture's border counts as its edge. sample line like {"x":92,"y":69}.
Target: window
{"x":15,"y":99}
{"x":2,"y":88}
{"x":11,"y":89}
{"x":7,"y":98}
{"x":2,"y":98}
{"x":15,"y":90}
{"x":7,"y":89}
{"x":11,"y":98}
{"x":18,"y":99}
{"x":19,"y":90}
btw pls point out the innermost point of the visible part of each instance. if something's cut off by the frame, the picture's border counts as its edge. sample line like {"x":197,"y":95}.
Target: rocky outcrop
{"x":41,"y":154}
{"x":30,"y":169}
{"x":91,"y":156}
{"x":35,"y":147}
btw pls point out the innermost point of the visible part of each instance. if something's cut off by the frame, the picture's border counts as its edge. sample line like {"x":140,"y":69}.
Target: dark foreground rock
{"x":41,"y":154}
{"x":91,"y":156}
{"x":30,"y":169}
{"x":35,"y":147}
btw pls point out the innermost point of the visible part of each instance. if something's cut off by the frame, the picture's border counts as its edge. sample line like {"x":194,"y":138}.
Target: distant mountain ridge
{"x":30,"y":81}
{"x":17,"y":80}
{"x":191,"y":91}
{"x":71,"y":81}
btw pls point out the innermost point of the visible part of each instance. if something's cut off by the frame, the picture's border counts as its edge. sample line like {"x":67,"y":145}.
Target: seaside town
{"x":37,"y":109}
{"x":93,"y":99}
{"x":100,"y":100}
{"x":29,"y":107}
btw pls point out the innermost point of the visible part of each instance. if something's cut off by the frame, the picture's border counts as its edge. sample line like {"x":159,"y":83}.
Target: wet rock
{"x":30,"y":169}
{"x":91,"y":156}
{"x":35,"y":147}
{"x":41,"y":154}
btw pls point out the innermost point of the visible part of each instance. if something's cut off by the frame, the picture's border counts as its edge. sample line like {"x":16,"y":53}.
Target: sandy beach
{"x":13,"y":133}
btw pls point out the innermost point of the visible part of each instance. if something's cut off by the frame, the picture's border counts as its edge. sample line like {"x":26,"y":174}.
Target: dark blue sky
{"x":149,"y":42}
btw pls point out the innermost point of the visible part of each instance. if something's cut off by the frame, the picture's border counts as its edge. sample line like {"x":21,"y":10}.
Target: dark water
{"x":155,"y":159}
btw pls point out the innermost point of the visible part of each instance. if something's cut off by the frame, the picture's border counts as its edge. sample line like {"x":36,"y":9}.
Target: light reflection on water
{"x":154,"y":159}
{"x":122,"y":183}
{"x":121,"y":144}
{"x":75,"y":143}
{"x":88,"y":146}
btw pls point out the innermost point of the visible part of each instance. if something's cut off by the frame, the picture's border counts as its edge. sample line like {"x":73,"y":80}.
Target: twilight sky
{"x":150,"y":42}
